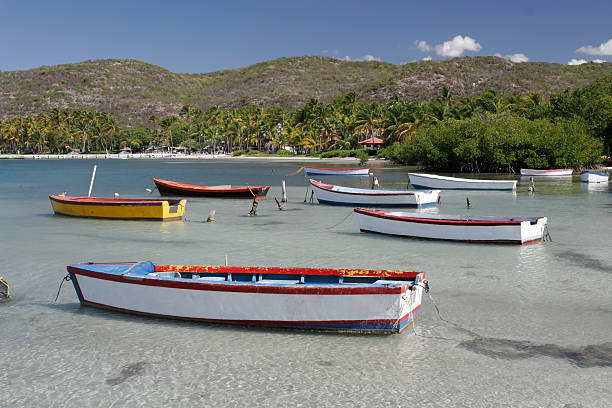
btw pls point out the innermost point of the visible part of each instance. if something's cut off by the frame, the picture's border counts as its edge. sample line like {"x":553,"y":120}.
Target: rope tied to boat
{"x":64,"y":279}
{"x":546,"y":234}
{"x":295,"y":173}
{"x":344,"y":219}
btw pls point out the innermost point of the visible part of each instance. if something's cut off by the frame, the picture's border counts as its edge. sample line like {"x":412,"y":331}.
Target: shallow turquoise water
{"x":534,"y":322}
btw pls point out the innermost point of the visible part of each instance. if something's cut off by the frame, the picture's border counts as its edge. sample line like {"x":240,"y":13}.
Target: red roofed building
{"x":372,"y":143}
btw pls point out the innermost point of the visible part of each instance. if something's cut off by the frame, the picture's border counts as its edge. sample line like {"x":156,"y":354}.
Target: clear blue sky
{"x":204,"y":36}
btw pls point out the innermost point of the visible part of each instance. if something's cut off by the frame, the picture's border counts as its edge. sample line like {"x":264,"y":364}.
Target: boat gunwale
{"x":440,"y":221}
{"x":246,"y":286}
{"x":106,"y":201}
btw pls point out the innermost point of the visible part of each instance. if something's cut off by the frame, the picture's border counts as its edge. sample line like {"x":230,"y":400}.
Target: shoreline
{"x":164,"y":156}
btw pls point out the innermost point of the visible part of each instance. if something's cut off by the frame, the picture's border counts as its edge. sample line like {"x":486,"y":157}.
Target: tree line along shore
{"x":491,"y":132}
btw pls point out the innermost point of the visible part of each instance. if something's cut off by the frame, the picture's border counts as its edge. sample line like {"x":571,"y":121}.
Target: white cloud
{"x":575,"y":61}
{"x":598,"y":61}
{"x":369,"y":57}
{"x":346,"y":58}
{"x":457,"y":46}
{"x":325,"y":51}
{"x":422,"y":45}
{"x":427,"y":58}
{"x":601,"y":49}
{"x":518,"y":57}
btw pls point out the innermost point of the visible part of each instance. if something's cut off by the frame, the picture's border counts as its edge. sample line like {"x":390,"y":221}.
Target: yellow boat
{"x":119,"y":208}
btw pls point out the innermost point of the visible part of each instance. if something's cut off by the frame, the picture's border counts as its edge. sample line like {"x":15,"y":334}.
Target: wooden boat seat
{"x":212,"y":278}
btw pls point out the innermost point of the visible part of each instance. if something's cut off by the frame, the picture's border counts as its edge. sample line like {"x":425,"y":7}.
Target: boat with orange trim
{"x":174,"y":188}
{"x":346,"y":300}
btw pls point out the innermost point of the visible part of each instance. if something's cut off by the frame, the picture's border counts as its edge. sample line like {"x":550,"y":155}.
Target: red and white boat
{"x":509,"y":230}
{"x":550,"y":173}
{"x":357,"y":300}
{"x":340,"y":195}
{"x":320,"y":171}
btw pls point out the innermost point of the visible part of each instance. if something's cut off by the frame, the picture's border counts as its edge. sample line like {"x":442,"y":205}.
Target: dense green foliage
{"x":490,"y":132}
{"x":132,"y":90}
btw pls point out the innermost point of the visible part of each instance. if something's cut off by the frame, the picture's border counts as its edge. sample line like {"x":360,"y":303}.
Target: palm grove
{"x":490,"y":132}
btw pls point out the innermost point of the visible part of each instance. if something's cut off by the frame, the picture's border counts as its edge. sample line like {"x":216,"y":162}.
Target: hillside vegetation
{"x":133,"y":90}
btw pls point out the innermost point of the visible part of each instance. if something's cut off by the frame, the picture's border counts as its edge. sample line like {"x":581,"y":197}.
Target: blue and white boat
{"x":591,"y":176}
{"x":352,"y":300}
{"x":340,"y":195}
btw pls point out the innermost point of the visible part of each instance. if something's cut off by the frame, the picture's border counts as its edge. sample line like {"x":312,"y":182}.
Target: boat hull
{"x":156,"y":210}
{"x":547,"y":173}
{"x":502,"y":232}
{"x":594,"y":177}
{"x":173,"y":188}
{"x":455,"y":183}
{"x":322,"y":307}
{"x":338,"y":195}
{"x":319,"y":171}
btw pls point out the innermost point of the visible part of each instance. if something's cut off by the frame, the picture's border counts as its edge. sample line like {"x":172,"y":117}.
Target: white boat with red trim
{"x":509,"y":230}
{"x":358,"y":300}
{"x":591,"y":176}
{"x":321,"y":171}
{"x":549,"y":173}
{"x":456,"y":183}
{"x":340,"y":195}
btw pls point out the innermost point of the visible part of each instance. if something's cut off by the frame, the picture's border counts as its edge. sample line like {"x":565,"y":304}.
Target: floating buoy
{"x":148,"y":190}
{"x":116,"y":194}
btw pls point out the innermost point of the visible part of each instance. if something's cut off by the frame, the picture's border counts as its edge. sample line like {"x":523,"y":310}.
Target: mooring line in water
{"x":547,"y":234}
{"x":64,"y":279}
{"x":344,"y":219}
{"x":295,"y":173}
{"x":425,"y":287}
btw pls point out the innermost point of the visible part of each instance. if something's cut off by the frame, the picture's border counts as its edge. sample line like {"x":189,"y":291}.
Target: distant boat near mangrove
{"x":547,"y":173}
{"x":591,"y":176}
{"x":321,"y":171}
{"x":456,"y":183}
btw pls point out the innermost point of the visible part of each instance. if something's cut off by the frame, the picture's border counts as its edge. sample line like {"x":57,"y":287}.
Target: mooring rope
{"x":547,"y":233}
{"x":64,"y":279}
{"x":344,"y":219}
{"x":295,"y":173}
{"x":457,"y":326}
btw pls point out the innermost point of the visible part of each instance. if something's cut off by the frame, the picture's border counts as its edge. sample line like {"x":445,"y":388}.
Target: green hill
{"x":134,"y":90}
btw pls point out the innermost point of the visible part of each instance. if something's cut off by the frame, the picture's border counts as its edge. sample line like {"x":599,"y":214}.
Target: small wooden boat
{"x":510,"y":230}
{"x":320,"y":171}
{"x":174,"y":188}
{"x":549,"y":173}
{"x":307,"y":298}
{"x":591,"y":176}
{"x":119,"y":208}
{"x":340,"y":195}
{"x":456,"y":183}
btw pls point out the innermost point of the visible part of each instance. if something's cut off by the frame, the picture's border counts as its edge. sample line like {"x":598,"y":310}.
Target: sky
{"x":206,"y":36}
